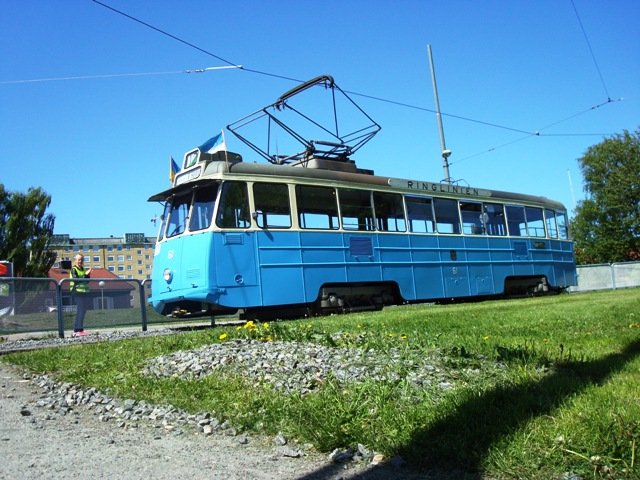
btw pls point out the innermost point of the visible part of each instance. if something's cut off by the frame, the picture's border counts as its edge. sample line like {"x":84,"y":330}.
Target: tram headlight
{"x":167,"y":274}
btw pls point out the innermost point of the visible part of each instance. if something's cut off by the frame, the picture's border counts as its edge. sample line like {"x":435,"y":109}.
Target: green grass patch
{"x":542,"y":386}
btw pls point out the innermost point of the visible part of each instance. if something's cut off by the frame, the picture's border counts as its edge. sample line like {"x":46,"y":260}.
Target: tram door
{"x":235,"y":251}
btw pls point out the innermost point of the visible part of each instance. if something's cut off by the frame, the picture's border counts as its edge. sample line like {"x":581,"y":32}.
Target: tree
{"x":25,"y":231}
{"x":606,"y":227}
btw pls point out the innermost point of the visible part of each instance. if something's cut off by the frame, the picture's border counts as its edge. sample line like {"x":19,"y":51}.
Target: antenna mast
{"x":445,"y":153}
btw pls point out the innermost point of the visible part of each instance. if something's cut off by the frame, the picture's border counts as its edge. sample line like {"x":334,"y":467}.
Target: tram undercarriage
{"x":356,"y":297}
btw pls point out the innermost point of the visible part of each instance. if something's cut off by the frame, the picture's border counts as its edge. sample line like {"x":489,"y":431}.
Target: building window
{"x":110,"y":258}
{"x":111,"y":268}
{"x":96,"y":258}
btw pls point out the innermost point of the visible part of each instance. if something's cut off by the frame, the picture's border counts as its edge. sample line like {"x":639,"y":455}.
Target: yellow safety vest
{"x":81,"y":287}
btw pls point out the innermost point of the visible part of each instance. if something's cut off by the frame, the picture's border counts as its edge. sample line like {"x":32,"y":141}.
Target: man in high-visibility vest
{"x":79,"y":292}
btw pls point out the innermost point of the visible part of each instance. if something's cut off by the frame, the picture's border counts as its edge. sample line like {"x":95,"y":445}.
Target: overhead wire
{"x":114,"y":75}
{"x":594,"y":107}
{"x":285,"y":77}
{"x":593,"y":57}
{"x":274,"y":75}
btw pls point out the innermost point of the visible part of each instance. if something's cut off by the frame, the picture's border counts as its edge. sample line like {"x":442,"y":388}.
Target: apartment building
{"x":128,"y":257}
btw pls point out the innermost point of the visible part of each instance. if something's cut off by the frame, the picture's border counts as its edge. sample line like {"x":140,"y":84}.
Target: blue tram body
{"x":302,"y":240}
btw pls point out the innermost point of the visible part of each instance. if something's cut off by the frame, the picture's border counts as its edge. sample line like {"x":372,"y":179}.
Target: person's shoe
{"x":81,"y":333}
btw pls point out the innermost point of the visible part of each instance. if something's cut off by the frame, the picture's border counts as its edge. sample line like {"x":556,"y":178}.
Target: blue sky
{"x":101,"y":146}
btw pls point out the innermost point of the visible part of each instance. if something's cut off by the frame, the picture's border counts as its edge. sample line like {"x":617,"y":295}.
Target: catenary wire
{"x":274,"y":75}
{"x":593,"y":57}
{"x":115,"y":75}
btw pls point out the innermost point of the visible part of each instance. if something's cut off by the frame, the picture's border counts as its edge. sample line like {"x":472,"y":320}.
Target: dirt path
{"x":36,"y":443}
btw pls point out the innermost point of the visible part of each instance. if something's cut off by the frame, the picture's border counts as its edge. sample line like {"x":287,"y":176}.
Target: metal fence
{"x":607,"y":276}
{"x":41,"y":304}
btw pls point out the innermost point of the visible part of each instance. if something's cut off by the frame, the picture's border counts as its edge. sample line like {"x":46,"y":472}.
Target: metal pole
{"x":445,"y":153}
{"x":59,"y":308}
{"x":143,"y":305}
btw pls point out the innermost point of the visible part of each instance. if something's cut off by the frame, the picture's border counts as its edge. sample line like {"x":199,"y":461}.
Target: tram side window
{"x":535,"y":222}
{"x":389,"y":212}
{"x":563,"y":232}
{"x":472,"y":222}
{"x":233,"y":211}
{"x":494,"y":219}
{"x":317,"y":207}
{"x":356,"y":211}
{"x":204,"y":200}
{"x":178,"y":216}
{"x":420,"y":214}
{"x":447,"y":217}
{"x":272,"y":205}
{"x":516,"y":221}
{"x":550,"y":219}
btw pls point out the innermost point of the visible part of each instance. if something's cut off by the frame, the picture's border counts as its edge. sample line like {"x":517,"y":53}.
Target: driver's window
{"x":177,"y":220}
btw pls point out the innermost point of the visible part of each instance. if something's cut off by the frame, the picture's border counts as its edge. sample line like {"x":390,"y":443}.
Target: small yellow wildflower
{"x":223,"y":336}
{"x":486,"y":337}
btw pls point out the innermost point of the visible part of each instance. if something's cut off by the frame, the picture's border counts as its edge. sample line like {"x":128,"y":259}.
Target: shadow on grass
{"x":456,"y":445}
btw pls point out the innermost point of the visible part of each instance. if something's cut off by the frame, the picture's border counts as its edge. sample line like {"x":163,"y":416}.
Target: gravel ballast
{"x":50,"y":429}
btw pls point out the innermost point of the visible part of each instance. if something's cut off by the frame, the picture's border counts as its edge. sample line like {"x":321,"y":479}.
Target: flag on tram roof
{"x":173,"y":169}
{"x":214,"y":144}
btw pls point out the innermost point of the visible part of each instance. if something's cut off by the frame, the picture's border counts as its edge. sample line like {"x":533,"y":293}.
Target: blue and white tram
{"x":324,"y":236}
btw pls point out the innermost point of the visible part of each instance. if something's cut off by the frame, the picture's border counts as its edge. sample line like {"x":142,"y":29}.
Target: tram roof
{"x":345,"y":173}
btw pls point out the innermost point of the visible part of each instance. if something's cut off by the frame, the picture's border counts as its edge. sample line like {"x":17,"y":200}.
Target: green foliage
{"x":542,"y":387}
{"x":25,"y":231}
{"x":606,"y":227}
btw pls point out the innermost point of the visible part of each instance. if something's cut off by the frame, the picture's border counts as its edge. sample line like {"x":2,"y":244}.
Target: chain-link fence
{"x":607,"y":276}
{"x":41,"y":304}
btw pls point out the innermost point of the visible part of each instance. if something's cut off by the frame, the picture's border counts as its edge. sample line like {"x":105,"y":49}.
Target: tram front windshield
{"x":190,"y":210}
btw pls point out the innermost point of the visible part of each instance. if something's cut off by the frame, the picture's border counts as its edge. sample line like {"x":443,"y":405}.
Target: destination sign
{"x":187,"y":176}
{"x":429,"y":187}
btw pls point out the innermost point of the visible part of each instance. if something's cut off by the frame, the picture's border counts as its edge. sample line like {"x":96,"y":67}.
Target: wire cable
{"x":593,"y":57}
{"x":114,"y":75}
{"x":393,"y":102}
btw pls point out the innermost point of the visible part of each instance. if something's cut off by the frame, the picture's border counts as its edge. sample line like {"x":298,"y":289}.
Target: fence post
{"x":613,"y":275}
{"x":59,"y":309}
{"x":143,"y":305}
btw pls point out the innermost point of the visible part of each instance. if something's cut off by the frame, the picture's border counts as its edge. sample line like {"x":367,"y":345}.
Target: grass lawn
{"x":543,"y":386}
